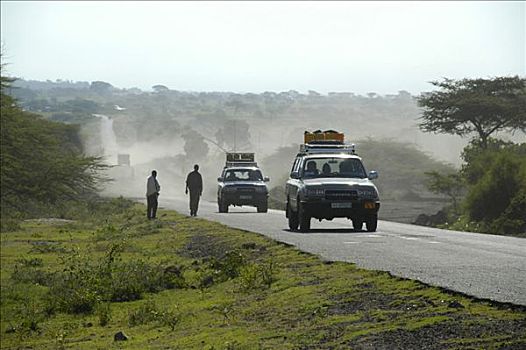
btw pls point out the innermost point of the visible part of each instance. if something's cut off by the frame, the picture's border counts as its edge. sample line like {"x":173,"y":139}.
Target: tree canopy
{"x":41,"y":161}
{"x":497,"y":187}
{"x":483,"y":106}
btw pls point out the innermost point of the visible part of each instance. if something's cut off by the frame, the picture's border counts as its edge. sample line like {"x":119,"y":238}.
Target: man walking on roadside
{"x":152,"y":192}
{"x":194,"y":184}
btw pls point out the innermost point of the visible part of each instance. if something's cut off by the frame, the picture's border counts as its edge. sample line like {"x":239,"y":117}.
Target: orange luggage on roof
{"x":327,"y":135}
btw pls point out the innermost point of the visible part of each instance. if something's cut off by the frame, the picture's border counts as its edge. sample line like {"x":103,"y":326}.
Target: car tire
{"x":223,"y":208}
{"x":371,"y":224}
{"x":263,"y":208}
{"x":292,"y":218}
{"x":357,"y":224}
{"x":303,"y":218}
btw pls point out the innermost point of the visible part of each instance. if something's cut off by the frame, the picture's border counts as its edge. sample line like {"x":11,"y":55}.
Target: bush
{"x":83,"y":284}
{"x":33,"y":262}
{"x":229,"y":265}
{"x":73,"y":295}
{"x":101,"y":207}
{"x":257,"y":276}
{"x":45,"y":247}
{"x":108,"y":232}
{"x":103,"y":312}
{"x":496,"y":198}
{"x":512,"y":221}
{"x":131,"y":279}
{"x":8,"y":224}
{"x":31,"y":274}
{"x":149,"y":312}
{"x":30,"y":315}
{"x":146,"y":313}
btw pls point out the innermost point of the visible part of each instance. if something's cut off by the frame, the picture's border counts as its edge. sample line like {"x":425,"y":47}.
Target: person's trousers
{"x":151,"y":209}
{"x":194,"y":202}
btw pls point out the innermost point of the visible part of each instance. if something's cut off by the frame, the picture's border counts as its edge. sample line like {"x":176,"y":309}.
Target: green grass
{"x":265,"y":295}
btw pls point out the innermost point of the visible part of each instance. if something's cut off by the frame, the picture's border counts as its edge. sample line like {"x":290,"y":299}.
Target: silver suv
{"x":328,"y":182}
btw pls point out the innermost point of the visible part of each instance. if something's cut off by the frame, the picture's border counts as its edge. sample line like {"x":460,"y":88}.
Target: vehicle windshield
{"x":243,"y":175}
{"x":333,"y":167}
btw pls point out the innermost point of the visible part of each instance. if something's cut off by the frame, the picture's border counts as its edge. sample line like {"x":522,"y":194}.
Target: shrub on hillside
{"x":496,"y":195}
{"x":83,"y":284}
{"x":257,"y":276}
{"x":149,"y":312}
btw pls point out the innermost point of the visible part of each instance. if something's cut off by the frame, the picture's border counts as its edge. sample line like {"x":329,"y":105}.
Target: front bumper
{"x":353,"y":209}
{"x":254,"y":198}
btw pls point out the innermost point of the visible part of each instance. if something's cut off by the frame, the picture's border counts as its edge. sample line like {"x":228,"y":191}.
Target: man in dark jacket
{"x":194,"y":184}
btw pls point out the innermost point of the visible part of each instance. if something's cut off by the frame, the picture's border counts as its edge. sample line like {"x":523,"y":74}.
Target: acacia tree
{"x":41,"y":162}
{"x":160,"y":88}
{"x":483,"y":106}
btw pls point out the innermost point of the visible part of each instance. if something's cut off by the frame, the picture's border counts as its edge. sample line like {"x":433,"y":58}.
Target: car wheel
{"x":371,"y":224}
{"x":357,"y":225}
{"x":223,"y":208}
{"x":303,"y":218}
{"x":293,"y":218}
{"x":263,"y":208}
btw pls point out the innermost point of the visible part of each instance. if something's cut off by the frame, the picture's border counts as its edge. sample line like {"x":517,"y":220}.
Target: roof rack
{"x":234,"y":164}
{"x":327,"y":147}
{"x":240,"y":159}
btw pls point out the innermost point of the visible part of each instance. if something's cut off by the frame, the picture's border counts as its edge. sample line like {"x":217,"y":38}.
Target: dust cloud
{"x":170,"y":131}
{"x":275,"y":144}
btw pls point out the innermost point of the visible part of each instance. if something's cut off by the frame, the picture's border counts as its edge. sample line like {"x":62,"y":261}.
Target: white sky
{"x":264,"y":46}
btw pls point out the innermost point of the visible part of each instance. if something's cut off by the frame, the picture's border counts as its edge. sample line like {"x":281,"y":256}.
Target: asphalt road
{"x":480,"y":265}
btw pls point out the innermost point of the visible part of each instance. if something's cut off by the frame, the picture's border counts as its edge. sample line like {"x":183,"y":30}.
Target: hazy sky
{"x":264,"y":46}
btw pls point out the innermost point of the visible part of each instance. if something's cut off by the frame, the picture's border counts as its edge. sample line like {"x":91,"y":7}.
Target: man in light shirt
{"x":152,"y":192}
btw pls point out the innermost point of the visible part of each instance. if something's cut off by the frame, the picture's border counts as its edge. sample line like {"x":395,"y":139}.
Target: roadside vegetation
{"x":488,"y":193}
{"x":42,"y":164}
{"x":113,"y":277}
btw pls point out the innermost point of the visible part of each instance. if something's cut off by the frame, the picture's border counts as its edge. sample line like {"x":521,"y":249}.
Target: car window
{"x":333,"y":167}
{"x":295,"y":166}
{"x":243,"y":175}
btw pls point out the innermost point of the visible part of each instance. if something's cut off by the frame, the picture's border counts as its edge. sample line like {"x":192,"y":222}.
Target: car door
{"x":220,"y":185}
{"x":293,"y":184}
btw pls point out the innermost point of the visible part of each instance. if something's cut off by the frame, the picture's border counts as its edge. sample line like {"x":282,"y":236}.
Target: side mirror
{"x":294,"y":175}
{"x":373,"y":175}
{"x":266,"y":179}
{"x":219,"y":179}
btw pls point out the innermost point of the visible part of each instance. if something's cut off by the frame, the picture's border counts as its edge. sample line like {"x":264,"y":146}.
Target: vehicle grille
{"x":341,"y":194}
{"x":246,"y":189}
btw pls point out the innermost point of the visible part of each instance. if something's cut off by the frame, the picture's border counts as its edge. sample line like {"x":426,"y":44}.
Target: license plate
{"x":341,"y":205}
{"x":245,"y":197}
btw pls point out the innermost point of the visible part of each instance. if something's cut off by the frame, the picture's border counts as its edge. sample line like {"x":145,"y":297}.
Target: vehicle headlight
{"x":317,"y":192}
{"x":261,"y":189}
{"x":369,"y":193}
{"x":229,"y":189}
